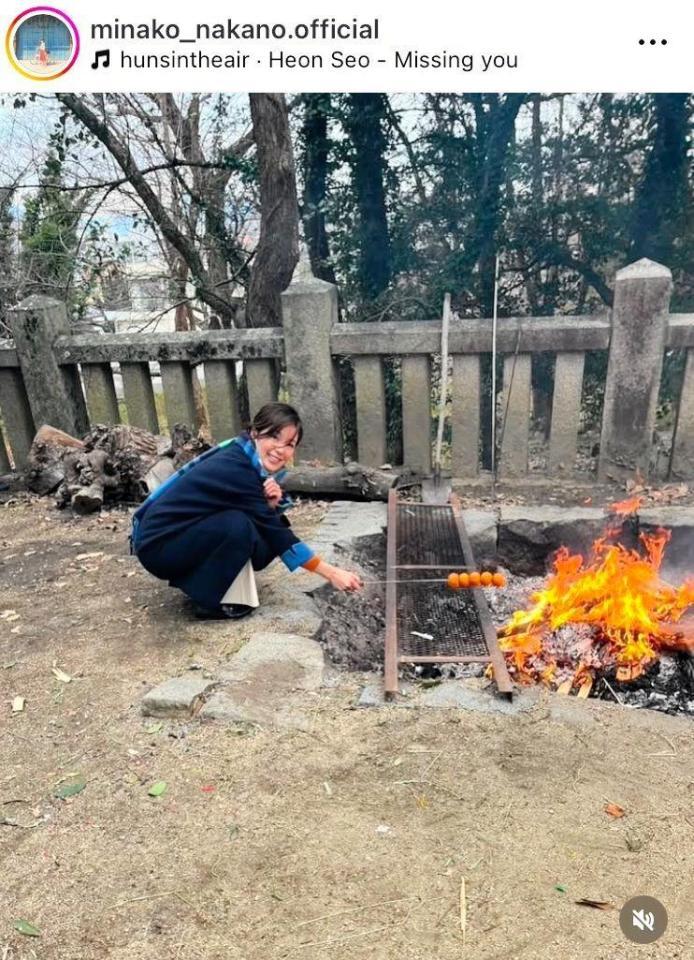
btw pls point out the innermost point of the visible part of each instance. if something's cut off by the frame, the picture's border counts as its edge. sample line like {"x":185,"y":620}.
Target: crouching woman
{"x":222,"y":516}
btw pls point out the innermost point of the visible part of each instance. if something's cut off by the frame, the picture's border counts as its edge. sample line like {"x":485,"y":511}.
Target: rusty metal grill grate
{"x":427,"y":535}
{"x":448,"y":621}
{"x":425,"y":621}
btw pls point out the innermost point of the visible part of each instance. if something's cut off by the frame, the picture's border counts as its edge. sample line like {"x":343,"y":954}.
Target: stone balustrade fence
{"x":51,"y":376}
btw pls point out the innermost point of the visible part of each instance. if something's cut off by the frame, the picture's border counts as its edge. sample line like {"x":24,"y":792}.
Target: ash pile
{"x":667,"y":685}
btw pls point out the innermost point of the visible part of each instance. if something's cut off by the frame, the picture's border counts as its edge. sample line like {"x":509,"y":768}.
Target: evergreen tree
{"x":49,"y":235}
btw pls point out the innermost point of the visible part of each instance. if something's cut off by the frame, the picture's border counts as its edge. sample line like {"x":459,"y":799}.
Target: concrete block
{"x":180,"y":696}
{"x":453,"y":693}
{"x":369,"y":385}
{"x":465,"y":415}
{"x":309,"y":310}
{"x":416,"y":412}
{"x":639,"y":327}
{"x":513,"y":456}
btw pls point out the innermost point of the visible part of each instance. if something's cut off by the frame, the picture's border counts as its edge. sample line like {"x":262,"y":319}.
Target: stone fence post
{"x":639,"y":330}
{"x":309,"y":310}
{"x":54,"y":392}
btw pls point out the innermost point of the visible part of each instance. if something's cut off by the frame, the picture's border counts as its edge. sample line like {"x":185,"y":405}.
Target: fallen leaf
{"x":155,"y":727}
{"x":61,"y":675}
{"x":28,"y":929}
{"x":70,"y":789}
{"x":614,"y":810}
{"x":560,"y":888}
{"x":18,"y":704}
{"x":9,"y":615}
{"x":157,"y":789}
{"x":596,"y":904}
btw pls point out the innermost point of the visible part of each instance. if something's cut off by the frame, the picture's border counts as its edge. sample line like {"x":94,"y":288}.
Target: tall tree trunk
{"x":661,"y":198}
{"x":364,"y":123}
{"x":497,"y":127}
{"x":316,"y":152}
{"x":278,"y":247}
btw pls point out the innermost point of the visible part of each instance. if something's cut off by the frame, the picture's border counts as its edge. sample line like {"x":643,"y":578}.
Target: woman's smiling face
{"x":275,"y":451}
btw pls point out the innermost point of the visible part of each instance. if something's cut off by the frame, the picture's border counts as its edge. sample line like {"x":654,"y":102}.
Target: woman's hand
{"x":344,"y":579}
{"x":273,"y":492}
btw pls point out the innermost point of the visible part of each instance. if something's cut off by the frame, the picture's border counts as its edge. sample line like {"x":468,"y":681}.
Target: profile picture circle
{"x":42,"y":43}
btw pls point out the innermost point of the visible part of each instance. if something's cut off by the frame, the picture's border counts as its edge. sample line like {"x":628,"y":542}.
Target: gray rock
{"x":268,"y":680}
{"x":297,"y":661}
{"x":285,"y":607}
{"x":346,"y":522}
{"x":456,"y":694}
{"x":528,"y":535}
{"x":220,"y":706}
{"x":481,"y":526}
{"x":372,"y":695}
{"x":180,"y":696}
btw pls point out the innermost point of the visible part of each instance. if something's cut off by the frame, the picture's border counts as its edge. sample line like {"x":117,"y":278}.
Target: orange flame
{"x":625,"y":507}
{"x":622,"y":612}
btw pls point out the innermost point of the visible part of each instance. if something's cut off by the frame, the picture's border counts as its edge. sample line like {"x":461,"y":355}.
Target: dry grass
{"x":345,"y":840}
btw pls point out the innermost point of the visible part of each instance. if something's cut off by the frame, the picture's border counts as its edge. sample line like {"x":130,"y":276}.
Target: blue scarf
{"x":248,"y":446}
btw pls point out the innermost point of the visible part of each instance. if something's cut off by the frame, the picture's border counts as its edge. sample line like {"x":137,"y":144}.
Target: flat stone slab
{"x":268,"y":680}
{"x":221,"y":706}
{"x":527,"y":535}
{"x":372,"y":695}
{"x":453,"y":693}
{"x":286,"y":607}
{"x":347,"y":521}
{"x":481,"y":527}
{"x":180,"y":696}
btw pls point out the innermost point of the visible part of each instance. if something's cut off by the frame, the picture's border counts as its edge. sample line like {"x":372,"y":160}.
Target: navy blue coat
{"x":203,"y":525}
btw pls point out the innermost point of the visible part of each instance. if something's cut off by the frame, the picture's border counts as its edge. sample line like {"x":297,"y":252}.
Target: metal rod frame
{"x":392,"y":655}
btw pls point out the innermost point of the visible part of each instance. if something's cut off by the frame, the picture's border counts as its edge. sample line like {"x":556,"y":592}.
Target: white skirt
{"x":243,"y":590}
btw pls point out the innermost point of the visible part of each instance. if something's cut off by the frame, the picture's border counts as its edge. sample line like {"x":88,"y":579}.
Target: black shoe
{"x":205,"y":613}
{"x":236,"y":611}
{"x":225,"y":611}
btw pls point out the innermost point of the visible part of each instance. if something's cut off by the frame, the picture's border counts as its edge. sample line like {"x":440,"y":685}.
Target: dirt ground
{"x":345,"y":840}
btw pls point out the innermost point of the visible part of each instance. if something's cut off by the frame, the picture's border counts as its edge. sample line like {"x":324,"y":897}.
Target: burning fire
{"x":622,"y":614}
{"x":625,"y":507}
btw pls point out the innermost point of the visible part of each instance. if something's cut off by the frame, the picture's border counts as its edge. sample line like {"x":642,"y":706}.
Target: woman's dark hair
{"x":272,"y":418}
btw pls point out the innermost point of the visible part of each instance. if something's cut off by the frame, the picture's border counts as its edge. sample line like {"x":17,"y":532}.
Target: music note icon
{"x":102,"y":58}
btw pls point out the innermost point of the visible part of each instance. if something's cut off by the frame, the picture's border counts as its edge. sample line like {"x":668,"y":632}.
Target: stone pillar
{"x":54,"y":392}
{"x":16,"y":415}
{"x":639,"y":329}
{"x":309,"y":310}
{"x":370,"y":397}
{"x":682,"y":459}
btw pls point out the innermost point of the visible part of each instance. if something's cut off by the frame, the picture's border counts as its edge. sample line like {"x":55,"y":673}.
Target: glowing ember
{"x":625,"y":507}
{"x":619,"y":612}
